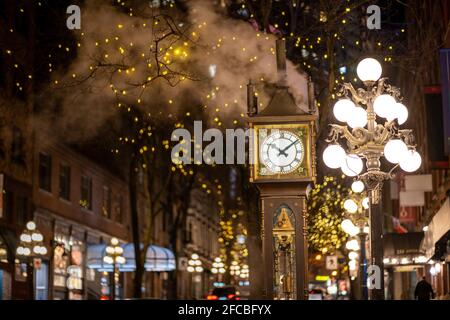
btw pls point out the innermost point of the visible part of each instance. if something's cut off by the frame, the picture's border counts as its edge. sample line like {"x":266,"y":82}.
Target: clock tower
{"x":283,"y":150}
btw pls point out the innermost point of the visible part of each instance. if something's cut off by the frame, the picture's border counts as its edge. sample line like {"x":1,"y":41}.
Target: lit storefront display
{"x":72,"y":279}
{"x":59,"y":266}
{"x":68,"y":267}
{"x":75,"y":272}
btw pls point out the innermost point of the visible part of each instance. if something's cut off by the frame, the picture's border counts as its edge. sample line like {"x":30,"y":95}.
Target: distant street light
{"x":31,"y":246}
{"x":31,"y":242}
{"x":194,"y":266}
{"x":114,"y":257}
{"x":218,"y":266}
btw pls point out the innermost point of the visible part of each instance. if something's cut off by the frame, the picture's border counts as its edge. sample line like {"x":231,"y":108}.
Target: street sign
{"x":37,"y":263}
{"x":419,"y":182}
{"x":331,"y":262}
{"x":412,"y":199}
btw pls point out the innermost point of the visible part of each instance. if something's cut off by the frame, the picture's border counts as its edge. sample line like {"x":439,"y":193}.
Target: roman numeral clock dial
{"x":282,"y":152}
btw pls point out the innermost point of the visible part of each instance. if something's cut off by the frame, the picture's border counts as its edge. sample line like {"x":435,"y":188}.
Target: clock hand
{"x":280,"y":152}
{"x":284,"y":150}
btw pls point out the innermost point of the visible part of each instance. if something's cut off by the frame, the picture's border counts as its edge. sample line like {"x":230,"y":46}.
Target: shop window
{"x":60,"y":264}
{"x":17,"y":147}
{"x":41,"y":282}
{"x":64,"y":182}
{"x":5,"y":285}
{"x":75,"y":272}
{"x":106,"y":202}
{"x":45,"y":172}
{"x":86,"y":192}
{"x":20,"y":269}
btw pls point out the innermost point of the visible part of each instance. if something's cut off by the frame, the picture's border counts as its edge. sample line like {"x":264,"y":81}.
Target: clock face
{"x":282,"y":152}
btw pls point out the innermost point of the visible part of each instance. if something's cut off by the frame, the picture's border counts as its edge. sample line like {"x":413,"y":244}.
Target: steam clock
{"x":283,"y":150}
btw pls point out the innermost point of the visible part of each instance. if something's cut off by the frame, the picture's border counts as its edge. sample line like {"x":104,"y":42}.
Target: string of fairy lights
{"x":325,"y":215}
{"x":181,"y":52}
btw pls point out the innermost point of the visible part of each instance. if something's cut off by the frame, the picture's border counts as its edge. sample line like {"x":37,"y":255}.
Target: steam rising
{"x":212,"y":61}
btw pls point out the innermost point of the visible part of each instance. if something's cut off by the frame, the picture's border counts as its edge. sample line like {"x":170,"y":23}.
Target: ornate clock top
{"x":282,"y":102}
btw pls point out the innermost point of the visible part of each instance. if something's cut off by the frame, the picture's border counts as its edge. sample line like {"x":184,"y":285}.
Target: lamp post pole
{"x":362,"y":265}
{"x":113,"y":282}
{"x":376,"y":248}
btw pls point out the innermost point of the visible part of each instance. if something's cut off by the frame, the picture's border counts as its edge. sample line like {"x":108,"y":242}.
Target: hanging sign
{"x":331,"y":262}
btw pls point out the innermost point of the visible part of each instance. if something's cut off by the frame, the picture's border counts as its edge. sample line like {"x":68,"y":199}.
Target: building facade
{"x":77,"y":204}
{"x":199,"y":236}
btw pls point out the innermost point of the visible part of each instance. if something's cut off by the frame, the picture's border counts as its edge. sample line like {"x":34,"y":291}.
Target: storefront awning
{"x":438,"y":227}
{"x":157,"y":258}
{"x":404,"y":244}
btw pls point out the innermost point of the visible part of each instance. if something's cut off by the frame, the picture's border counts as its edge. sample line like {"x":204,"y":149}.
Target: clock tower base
{"x":284,"y":240}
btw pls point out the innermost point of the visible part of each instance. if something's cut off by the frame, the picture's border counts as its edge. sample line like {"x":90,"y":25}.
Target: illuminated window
{"x":86,"y":192}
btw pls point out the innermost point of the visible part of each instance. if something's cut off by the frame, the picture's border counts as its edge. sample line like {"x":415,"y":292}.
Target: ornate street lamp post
{"x":31,"y":246}
{"x":373,"y":115}
{"x":194,"y":266}
{"x":218,"y":267}
{"x":356,"y":224}
{"x":114,"y":257}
